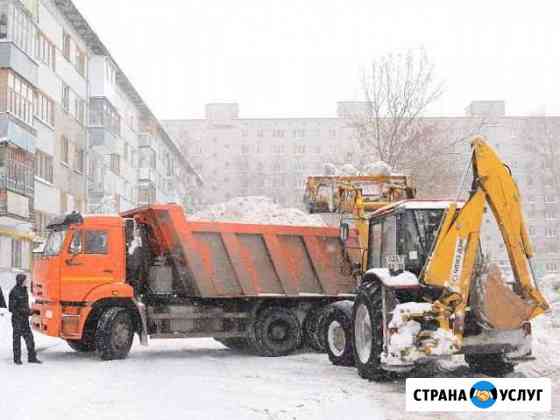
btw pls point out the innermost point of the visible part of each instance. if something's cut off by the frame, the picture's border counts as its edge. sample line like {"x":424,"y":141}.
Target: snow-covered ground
{"x":200,"y":379}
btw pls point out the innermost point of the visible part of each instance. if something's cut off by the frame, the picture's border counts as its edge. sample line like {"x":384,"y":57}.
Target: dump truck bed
{"x":232,"y":260}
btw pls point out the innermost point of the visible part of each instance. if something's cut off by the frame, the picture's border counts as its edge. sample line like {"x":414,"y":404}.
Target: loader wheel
{"x":367,"y":338}
{"x":82,"y":346}
{"x":312,"y":331}
{"x":492,"y":364}
{"x":338,"y":334}
{"x":240,"y":344}
{"x":114,"y":334}
{"x":276,"y":332}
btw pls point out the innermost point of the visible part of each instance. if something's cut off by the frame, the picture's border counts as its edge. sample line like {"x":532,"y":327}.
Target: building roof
{"x":82,"y":27}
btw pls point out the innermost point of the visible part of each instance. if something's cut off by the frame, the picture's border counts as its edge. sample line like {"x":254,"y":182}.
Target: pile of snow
{"x":257,"y":210}
{"x":378,"y":168}
{"x":349,"y":170}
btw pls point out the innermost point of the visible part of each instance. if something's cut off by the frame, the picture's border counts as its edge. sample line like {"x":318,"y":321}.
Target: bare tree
{"x":398,"y":90}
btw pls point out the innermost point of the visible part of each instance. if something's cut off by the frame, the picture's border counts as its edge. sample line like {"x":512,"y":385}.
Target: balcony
{"x":147,"y":175}
{"x":102,"y":141}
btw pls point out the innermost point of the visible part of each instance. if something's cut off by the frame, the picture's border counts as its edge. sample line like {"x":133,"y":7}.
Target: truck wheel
{"x":312,"y":329}
{"x":276,"y":332}
{"x":492,"y":364}
{"x":240,"y":344}
{"x":114,"y":334}
{"x":82,"y":346}
{"x":367,"y":325}
{"x":338,"y":334}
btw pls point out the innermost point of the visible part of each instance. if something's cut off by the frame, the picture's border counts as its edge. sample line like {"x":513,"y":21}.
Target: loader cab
{"x":401,"y":235}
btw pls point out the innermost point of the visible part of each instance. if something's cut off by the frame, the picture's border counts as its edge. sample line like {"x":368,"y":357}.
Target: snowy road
{"x":200,"y":379}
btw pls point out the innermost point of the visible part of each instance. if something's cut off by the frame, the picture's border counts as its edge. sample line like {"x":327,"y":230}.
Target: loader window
{"x":389,"y":237}
{"x":374,"y":257}
{"x":417,"y":234}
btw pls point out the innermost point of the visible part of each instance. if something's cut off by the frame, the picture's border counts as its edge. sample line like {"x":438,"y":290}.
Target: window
{"x":549,"y":232}
{"x":298,"y":133}
{"x":65,"y":97}
{"x":332,"y":132}
{"x":244,"y":149}
{"x":17,"y":253}
{"x":18,"y":167}
{"x":278,"y":133}
{"x":3,"y":26}
{"x":125,"y":152}
{"x":102,"y":114}
{"x":22,"y":30}
{"x":260,"y":133}
{"x":54,"y":243}
{"x":110,"y":72}
{"x":146,"y":193}
{"x":549,"y":198}
{"x":41,"y":222}
{"x":79,"y":110}
{"x":80,"y":62}
{"x":44,"y":166}
{"x":66,"y":40}
{"x":44,"y":108}
{"x":299,"y":148}
{"x":20,"y":98}
{"x":551,"y":267}
{"x":116,"y":163}
{"x":78,"y":159}
{"x":550,"y":214}
{"x":244,"y":132}
{"x":65,"y":155}
{"x":45,"y":51}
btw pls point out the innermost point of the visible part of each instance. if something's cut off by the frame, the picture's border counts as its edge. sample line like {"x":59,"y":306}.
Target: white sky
{"x":294,"y":58}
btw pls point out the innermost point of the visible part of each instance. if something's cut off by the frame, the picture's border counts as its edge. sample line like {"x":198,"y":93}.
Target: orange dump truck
{"x":151,"y":271}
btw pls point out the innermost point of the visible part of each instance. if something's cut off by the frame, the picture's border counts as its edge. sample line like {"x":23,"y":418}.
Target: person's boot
{"x":17,"y":362}
{"x":35,"y":360}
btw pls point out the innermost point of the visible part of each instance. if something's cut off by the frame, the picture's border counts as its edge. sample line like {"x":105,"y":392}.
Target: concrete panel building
{"x":273,"y":156}
{"x":74,"y":133}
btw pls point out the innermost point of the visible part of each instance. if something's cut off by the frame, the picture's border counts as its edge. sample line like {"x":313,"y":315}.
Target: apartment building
{"x":273,"y":156}
{"x":76,"y":135}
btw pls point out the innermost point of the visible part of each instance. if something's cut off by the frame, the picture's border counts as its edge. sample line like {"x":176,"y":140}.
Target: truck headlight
{"x":48,"y":314}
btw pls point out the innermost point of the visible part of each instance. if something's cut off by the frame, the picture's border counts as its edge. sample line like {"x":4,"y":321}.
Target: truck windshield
{"x":54,"y":243}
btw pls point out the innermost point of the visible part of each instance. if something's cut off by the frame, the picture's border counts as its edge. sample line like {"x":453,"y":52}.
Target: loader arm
{"x":455,"y":249}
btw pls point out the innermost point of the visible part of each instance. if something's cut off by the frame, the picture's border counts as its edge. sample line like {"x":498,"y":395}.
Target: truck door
{"x":90,"y":260}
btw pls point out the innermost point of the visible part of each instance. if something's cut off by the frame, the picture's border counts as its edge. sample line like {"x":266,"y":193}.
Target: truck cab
{"x":82,"y":261}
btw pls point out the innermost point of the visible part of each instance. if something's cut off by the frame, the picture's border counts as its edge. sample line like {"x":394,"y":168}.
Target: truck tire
{"x":338,"y":334}
{"x":82,"y":346}
{"x":312,"y":329}
{"x":114,"y":334}
{"x":367,"y":332}
{"x":240,"y":344}
{"x":491,"y":364}
{"x":276,"y":332}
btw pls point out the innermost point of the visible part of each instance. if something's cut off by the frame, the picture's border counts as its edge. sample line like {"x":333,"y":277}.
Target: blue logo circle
{"x":483,"y":394}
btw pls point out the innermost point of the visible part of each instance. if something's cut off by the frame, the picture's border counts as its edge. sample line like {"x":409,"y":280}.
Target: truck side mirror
{"x":344,"y":231}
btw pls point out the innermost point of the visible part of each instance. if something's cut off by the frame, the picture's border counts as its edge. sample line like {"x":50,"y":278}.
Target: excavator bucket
{"x":496,"y":304}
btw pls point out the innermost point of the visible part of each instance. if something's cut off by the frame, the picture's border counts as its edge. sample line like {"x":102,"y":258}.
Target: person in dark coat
{"x":19,"y":307}
{"x":2,"y":300}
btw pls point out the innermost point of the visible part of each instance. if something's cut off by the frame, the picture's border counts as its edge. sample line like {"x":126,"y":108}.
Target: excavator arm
{"x":455,"y":250}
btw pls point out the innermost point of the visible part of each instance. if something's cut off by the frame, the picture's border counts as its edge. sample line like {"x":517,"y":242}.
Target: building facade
{"x":243,"y":156}
{"x":75,"y":134}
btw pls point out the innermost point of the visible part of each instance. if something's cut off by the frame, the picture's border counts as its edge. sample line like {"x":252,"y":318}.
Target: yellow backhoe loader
{"x":426,"y":290}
